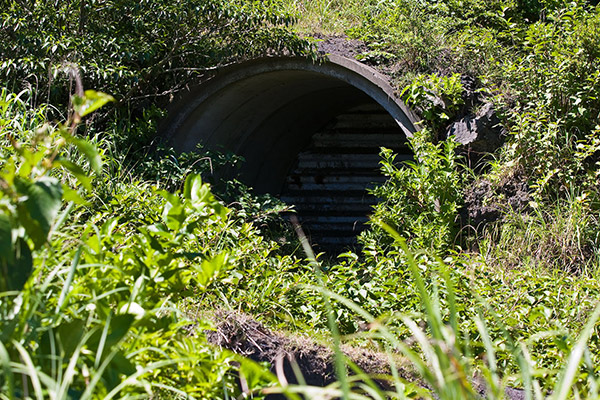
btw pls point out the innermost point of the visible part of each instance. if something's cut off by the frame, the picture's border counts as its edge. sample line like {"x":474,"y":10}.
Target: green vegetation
{"x":114,"y":252}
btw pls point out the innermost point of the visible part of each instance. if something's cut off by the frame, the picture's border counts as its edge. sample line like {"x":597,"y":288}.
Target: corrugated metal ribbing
{"x":329,"y":182}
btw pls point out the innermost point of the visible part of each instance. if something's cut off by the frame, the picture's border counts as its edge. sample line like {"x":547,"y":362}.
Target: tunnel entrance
{"x":309,"y":132}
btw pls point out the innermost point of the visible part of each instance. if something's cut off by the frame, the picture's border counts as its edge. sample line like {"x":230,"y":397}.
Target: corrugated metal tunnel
{"x":309,"y":132}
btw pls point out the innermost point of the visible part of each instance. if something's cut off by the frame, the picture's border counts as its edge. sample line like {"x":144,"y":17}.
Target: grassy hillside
{"x":117,"y":258}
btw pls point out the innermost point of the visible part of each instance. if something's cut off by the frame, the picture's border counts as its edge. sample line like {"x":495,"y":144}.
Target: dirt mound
{"x":245,"y":336}
{"x":340,"y":45}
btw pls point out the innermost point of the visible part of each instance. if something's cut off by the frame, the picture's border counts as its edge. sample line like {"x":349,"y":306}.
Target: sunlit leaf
{"x":76,"y":170}
{"x":210,"y":269}
{"x":38,"y":211}
{"x":87,"y":149}
{"x":90,"y":102}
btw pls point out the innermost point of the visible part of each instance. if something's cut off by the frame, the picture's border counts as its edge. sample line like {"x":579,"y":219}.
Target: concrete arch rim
{"x":352,"y":72}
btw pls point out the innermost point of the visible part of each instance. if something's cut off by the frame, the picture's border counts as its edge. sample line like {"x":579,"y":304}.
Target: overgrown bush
{"x":89,"y":303}
{"x":553,"y":113}
{"x":438,"y":100}
{"x":420,"y":198}
{"x":137,"y":51}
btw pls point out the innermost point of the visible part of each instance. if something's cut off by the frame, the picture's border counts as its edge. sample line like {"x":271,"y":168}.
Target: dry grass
{"x":327,"y":17}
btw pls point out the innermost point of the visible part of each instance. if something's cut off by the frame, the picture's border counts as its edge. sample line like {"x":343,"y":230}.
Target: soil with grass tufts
{"x":340,"y":45}
{"x":292,"y":355}
{"x":245,"y":336}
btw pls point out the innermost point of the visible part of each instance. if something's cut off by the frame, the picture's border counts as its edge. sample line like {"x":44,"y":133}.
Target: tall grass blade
{"x":386,"y":334}
{"x":67,"y":286}
{"x":528,"y":372}
{"x":428,"y":350}
{"x":56,"y":371}
{"x":518,"y":351}
{"x":46,"y":381}
{"x":340,"y":359}
{"x":181,"y":394}
{"x":132,"y":380}
{"x":71,"y":369}
{"x":297,"y":372}
{"x":592,"y":379}
{"x":369,"y":385}
{"x":565,"y":383}
{"x":88,"y":393}
{"x":452,"y":305}
{"x":494,"y":380}
{"x":102,"y":341}
{"x":62,"y":217}
{"x":31,"y":370}
{"x":8,"y":373}
{"x":422,"y":289}
{"x":398,"y":384}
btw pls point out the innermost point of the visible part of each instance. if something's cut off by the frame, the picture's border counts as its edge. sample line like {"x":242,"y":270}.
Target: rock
{"x":470,"y":95}
{"x":482,"y":132}
{"x":486,"y":202}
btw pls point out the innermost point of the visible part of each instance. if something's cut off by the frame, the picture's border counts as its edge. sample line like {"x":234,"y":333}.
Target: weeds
{"x":420,"y":198}
{"x":453,"y":365}
{"x":563,"y":239}
{"x":90,"y":308}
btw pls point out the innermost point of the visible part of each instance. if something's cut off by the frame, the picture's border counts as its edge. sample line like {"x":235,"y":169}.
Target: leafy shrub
{"x":552,"y":118}
{"x":138,"y":51}
{"x":31,"y":197}
{"x":437,"y":98}
{"x":89,"y":305}
{"x":419,"y":199}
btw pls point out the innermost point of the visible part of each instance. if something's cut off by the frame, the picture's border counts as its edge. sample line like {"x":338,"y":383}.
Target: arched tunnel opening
{"x":310,"y":133}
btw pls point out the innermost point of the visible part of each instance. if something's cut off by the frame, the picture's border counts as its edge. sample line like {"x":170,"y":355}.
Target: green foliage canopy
{"x":134,"y":49}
